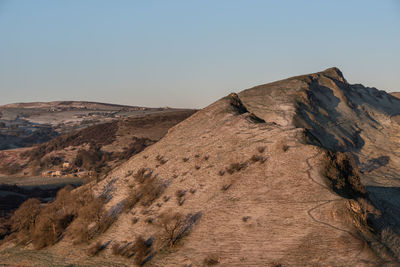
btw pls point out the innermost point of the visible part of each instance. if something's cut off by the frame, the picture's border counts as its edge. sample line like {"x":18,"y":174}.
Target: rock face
{"x":299,"y":172}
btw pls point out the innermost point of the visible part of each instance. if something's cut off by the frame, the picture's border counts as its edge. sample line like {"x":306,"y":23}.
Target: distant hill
{"x":26,"y":124}
{"x":65,"y":104}
{"x":91,"y":151}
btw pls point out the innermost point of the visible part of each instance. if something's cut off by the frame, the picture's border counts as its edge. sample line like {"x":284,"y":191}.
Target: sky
{"x":186,"y":53}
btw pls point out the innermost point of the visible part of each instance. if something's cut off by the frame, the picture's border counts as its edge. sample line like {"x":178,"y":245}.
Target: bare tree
{"x":174,"y":225}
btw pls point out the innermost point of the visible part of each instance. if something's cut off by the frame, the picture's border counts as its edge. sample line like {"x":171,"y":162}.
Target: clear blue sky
{"x":188,"y":53}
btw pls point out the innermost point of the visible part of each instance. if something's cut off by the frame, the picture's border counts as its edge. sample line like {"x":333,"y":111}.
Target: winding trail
{"x":326,"y":202}
{"x":309,"y":212}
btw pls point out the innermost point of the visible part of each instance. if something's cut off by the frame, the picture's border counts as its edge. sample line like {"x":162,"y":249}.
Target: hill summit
{"x":298,"y":172}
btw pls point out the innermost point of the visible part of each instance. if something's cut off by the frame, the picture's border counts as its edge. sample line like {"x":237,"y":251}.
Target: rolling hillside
{"x":298,"y":172}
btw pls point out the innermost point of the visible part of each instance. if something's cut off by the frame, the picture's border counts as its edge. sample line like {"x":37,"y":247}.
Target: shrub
{"x":50,"y":161}
{"x":193,"y":190}
{"x":180,"y":194}
{"x":151,"y":190}
{"x":11,"y":169}
{"x":46,"y":225}
{"x":146,"y":192}
{"x":236,"y":167}
{"x":141,"y":250}
{"x":137,"y":146}
{"x":91,"y":220}
{"x":142,"y":174}
{"x":91,"y":159}
{"x":161,"y":159}
{"x":221,"y":173}
{"x":197,"y":167}
{"x":257,"y":158}
{"x":226,"y":187}
{"x":261,"y":149}
{"x":185,"y":159}
{"x":175,"y":225}
{"x":211,"y":260}
{"x":131,"y":201}
{"x":95,"y":249}
{"x":24,"y":219}
{"x":49,"y":226}
{"x":115,"y":249}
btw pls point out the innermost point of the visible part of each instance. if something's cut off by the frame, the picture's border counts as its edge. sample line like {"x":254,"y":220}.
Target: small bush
{"x":261,"y":149}
{"x":129,"y":173}
{"x":116,"y":249}
{"x":221,"y":173}
{"x":226,"y":187}
{"x":24,"y":219}
{"x":185,"y":159}
{"x":173,"y":225}
{"x":211,"y":260}
{"x":95,"y":249}
{"x":141,"y":250}
{"x":161,"y":159}
{"x":11,"y":169}
{"x":257,"y":158}
{"x":180,"y":194}
{"x":142,"y":174}
{"x":197,"y":167}
{"x":236,"y":167}
{"x":149,"y":190}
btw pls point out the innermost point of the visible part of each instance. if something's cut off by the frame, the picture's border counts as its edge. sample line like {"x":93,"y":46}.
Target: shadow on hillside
{"x":387,"y":200}
{"x":12,"y":196}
